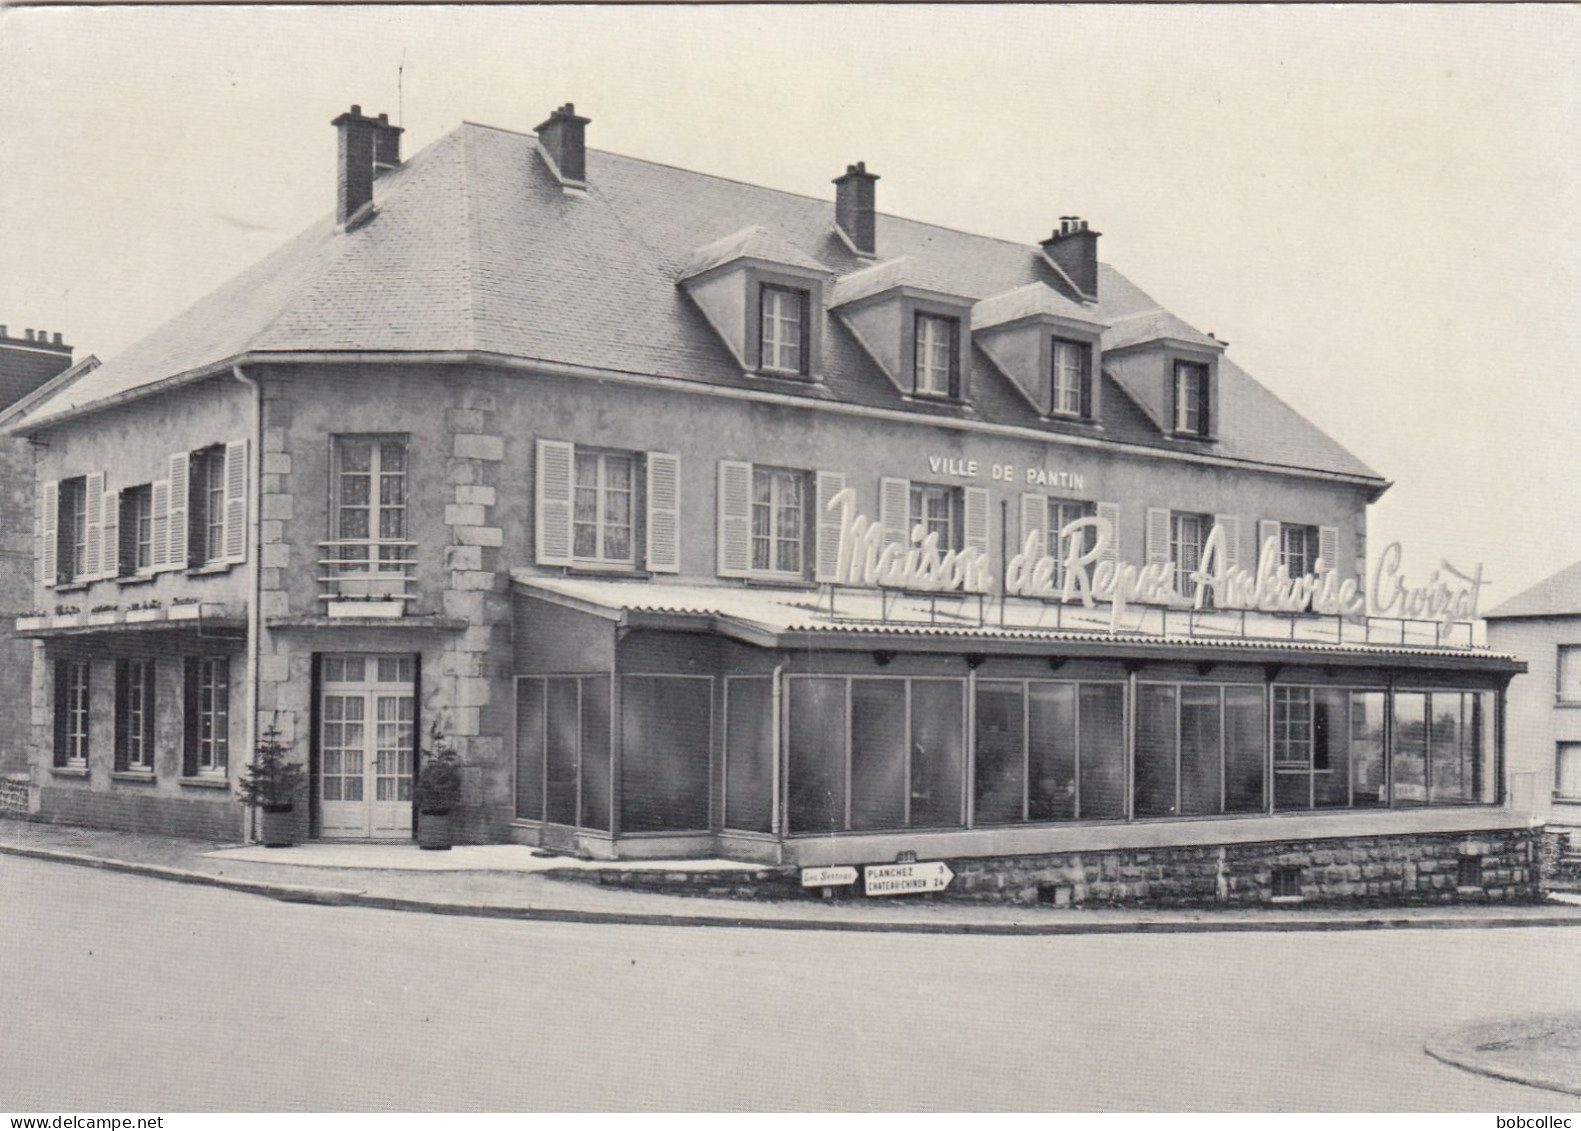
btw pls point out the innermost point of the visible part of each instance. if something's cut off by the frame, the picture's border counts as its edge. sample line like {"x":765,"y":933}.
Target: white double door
{"x":367,"y":709}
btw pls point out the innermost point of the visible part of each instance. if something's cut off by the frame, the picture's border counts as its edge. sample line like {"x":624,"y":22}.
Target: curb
{"x":1456,"y":1048}
{"x":334,"y":897}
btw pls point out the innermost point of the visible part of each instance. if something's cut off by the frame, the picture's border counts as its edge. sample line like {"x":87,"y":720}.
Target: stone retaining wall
{"x":150,"y":814}
{"x":14,"y":796}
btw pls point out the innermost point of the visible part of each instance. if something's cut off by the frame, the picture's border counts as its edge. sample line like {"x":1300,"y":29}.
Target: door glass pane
{"x":1102,"y":741}
{"x":878,"y":754}
{"x":1410,"y":749}
{"x":393,"y":770}
{"x":563,"y":740}
{"x":1155,"y":750}
{"x":1200,"y":777}
{"x":1051,"y":751}
{"x":749,"y":754}
{"x":1001,"y":753}
{"x":1485,"y":772}
{"x":529,"y":748}
{"x":1448,"y":758}
{"x":666,"y":738}
{"x":1245,"y":749}
{"x":595,"y":752}
{"x":1368,"y":787}
{"x":1331,"y":748}
{"x":815,"y":710}
{"x":938,"y":752}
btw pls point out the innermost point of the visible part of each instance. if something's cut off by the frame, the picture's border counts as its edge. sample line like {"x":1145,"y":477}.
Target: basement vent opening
{"x":1287,"y":881}
{"x":1468,"y":873}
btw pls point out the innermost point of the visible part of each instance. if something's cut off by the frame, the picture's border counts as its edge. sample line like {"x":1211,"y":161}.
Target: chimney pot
{"x":564,"y":139}
{"x":854,"y":211}
{"x":1074,"y":248}
{"x":57,"y":339}
{"x":29,"y":334}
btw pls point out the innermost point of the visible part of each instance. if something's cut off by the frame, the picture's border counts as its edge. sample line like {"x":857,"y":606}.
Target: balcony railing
{"x":365,"y":569}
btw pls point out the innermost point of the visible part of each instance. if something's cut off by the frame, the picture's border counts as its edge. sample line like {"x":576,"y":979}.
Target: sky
{"x":1379,"y":208}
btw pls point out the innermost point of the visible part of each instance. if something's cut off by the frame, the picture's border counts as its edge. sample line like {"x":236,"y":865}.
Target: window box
{"x":103,"y":618}
{"x":194,"y":611}
{"x":28,"y":624}
{"x":364,"y":608}
{"x":142,"y":616}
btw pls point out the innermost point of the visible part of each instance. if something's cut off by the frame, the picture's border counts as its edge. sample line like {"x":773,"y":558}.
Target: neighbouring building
{"x":708,"y":519}
{"x":1543,"y":626}
{"x":30,"y":364}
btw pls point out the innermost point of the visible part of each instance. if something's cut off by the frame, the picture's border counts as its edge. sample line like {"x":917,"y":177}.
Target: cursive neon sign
{"x":868,"y":557}
{"x":1450,"y":600}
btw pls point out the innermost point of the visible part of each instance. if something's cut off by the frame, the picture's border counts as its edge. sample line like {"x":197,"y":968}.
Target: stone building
{"x":709,"y":519}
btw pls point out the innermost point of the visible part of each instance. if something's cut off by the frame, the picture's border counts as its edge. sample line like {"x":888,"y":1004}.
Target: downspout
{"x":254,"y":613}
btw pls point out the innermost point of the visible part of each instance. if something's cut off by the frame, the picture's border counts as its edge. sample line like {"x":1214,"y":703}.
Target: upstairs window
{"x":1070,"y":393}
{"x":602,"y":521}
{"x":938,"y":510}
{"x":1298,"y":548}
{"x":1063,"y":512}
{"x":206,"y":505}
{"x":783,"y":347}
{"x":368,"y":510}
{"x":73,"y":543}
{"x":137,"y":530}
{"x":1191,"y":398}
{"x":937,"y":344}
{"x":1188,"y":535}
{"x":779,"y":520}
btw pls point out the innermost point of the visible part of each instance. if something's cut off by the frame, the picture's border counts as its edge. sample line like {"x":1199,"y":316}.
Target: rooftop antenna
{"x":400,"y":90}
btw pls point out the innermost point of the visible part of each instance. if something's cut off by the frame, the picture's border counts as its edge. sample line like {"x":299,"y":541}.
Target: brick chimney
{"x":386,"y":145}
{"x":564,"y":141}
{"x":1074,"y":248}
{"x":853,"y":207}
{"x":354,"y":166}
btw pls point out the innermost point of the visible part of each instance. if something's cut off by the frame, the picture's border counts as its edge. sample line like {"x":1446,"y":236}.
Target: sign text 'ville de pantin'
{"x":872,"y":556}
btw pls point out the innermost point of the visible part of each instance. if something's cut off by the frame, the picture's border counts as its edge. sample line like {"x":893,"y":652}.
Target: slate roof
{"x":476,"y":248}
{"x":1556,"y":596}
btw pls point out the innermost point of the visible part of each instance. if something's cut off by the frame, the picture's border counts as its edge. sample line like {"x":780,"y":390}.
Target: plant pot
{"x":277,"y":826}
{"x":434,"y":831}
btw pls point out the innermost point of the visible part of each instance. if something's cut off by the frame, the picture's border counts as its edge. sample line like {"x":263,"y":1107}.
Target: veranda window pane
{"x":595,"y":752}
{"x":1001,"y":753}
{"x":1051,"y":751}
{"x":1369,"y":789}
{"x":1102,"y":750}
{"x":878,"y":754}
{"x":1200,"y":776}
{"x":1410,"y":749}
{"x":1155,"y":750}
{"x":749,"y":754}
{"x":529,"y":748}
{"x":938,"y":752}
{"x":1485,"y":781}
{"x":665,"y":743}
{"x":1245,"y":749}
{"x":815,"y":708}
{"x":564,"y":723}
{"x":1331,"y":748}
{"x":1447,"y":757}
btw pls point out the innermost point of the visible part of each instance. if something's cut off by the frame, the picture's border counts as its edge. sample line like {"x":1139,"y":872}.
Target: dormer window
{"x":937,"y":350}
{"x":784,"y":337}
{"x":1191,"y":398}
{"x":1072,"y":373}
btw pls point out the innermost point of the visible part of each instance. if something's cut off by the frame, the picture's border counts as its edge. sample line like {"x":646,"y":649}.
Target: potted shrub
{"x":271,"y":785}
{"x":438,"y":791}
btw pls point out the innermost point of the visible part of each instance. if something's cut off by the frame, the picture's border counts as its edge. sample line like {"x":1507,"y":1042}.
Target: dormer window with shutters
{"x":1169,"y":369}
{"x":765,"y":301}
{"x":601,"y":509}
{"x":911,"y":323}
{"x":1048,"y":346}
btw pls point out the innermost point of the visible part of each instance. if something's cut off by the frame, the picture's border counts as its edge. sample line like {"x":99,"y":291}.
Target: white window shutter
{"x":1231,"y":525}
{"x":159,"y":513}
{"x":664,"y":513}
{"x":556,"y":490}
{"x":178,"y":543}
{"x":234,"y":531}
{"x":110,"y":539}
{"x":1035,"y":521}
{"x":735,"y":518}
{"x":1328,"y":546}
{"x":894,"y":510}
{"x":49,"y":545}
{"x":1268,"y":528}
{"x":93,"y":504}
{"x":1158,"y":535}
{"x":827,"y":527}
{"x":976,"y":522}
{"x":1110,"y":513}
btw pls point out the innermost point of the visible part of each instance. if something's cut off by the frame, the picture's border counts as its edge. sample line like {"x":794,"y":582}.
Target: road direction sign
{"x":906,"y":879}
{"x":828,"y":877}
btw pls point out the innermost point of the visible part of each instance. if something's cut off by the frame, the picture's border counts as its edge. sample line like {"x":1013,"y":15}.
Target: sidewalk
{"x":505,"y":881}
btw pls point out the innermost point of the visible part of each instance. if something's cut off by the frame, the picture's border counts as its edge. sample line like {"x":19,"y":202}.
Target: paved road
{"x":129,"y":994}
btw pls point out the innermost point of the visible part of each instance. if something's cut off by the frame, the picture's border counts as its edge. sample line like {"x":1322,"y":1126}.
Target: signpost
{"x":906,"y":879}
{"x":828,"y":877}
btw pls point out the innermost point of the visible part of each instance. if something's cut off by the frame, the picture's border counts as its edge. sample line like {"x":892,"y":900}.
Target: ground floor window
{"x":749,"y":753}
{"x":1443,"y":748}
{"x":134,"y":715}
{"x":563,"y":751}
{"x":665,"y":748}
{"x":1567,"y":771}
{"x":1200,"y":749}
{"x":1049,"y":750}
{"x":206,"y":746}
{"x":71,"y":712}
